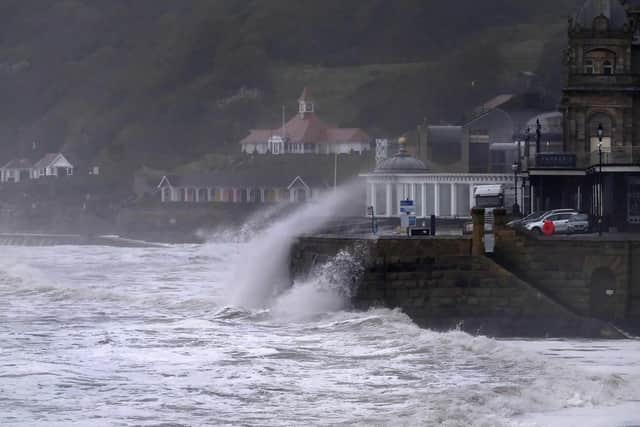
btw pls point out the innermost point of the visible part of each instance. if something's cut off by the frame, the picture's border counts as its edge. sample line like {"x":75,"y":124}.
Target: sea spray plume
{"x":327,"y":288}
{"x":261,"y":271}
{"x":239,"y":234}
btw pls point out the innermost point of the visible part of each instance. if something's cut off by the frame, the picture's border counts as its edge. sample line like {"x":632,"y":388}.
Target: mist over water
{"x":185,"y":335}
{"x":261,"y":271}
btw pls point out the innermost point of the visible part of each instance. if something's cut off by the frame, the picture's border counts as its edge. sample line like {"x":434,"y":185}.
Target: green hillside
{"x":163,"y":82}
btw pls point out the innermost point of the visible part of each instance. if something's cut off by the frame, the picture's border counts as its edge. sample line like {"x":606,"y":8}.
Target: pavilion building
{"x":306,"y":133}
{"x":448,"y":195}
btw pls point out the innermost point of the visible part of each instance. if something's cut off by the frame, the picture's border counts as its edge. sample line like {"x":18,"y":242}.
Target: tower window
{"x":588,"y":67}
{"x":600,"y":61}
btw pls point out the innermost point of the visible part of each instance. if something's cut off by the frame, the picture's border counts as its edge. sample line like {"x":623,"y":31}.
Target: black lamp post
{"x":527,"y":152}
{"x":373,"y":219}
{"x":516,"y":207}
{"x":538,"y":136}
{"x":600,"y":182}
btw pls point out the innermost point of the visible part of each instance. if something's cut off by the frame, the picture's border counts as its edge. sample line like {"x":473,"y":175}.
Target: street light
{"x":527,"y":150}
{"x":600,"y":192}
{"x":538,"y":135}
{"x":371,"y":211}
{"x":516,"y":207}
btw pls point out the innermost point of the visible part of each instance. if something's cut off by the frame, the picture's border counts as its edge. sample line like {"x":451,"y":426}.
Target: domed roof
{"x":611,"y":9}
{"x":402,"y":162}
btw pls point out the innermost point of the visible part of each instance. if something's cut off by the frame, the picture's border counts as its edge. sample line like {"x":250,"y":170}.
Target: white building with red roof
{"x":306,"y":133}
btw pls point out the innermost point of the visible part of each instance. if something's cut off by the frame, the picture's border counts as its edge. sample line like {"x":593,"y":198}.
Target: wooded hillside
{"x":162,"y":82}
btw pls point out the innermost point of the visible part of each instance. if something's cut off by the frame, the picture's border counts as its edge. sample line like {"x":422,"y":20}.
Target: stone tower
{"x":305,"y":104}
{"x":603,"y":85}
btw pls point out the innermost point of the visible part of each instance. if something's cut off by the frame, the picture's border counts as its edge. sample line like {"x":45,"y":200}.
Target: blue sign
{"x":407,"y":206}
{"x":412,"y":221}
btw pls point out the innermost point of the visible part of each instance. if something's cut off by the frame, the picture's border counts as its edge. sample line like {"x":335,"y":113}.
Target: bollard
{"x":477,"y":236}
{"x":499,"y":219}
{"x":433,"y":225}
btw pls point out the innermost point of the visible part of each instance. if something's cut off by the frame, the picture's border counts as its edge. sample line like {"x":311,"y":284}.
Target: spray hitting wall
{"x":261,"y":270}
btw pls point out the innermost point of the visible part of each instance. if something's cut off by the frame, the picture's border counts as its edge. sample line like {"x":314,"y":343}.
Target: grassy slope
{"x":152,"y":82}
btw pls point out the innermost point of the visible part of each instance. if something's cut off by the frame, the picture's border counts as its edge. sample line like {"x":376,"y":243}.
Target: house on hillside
{"x":239,"y":188}
{"x":52,"y":164}
{"x":306,"y":133}
{"x":20,"y":170}
{"x":16,"y":170}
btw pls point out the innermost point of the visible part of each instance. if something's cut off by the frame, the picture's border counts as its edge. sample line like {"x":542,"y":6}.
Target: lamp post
{"x":373,"y":219}
{"x":600,"y":192}
{"x":538,"y":135}
{"x":527,"y":150}
{"x":516,"y":207}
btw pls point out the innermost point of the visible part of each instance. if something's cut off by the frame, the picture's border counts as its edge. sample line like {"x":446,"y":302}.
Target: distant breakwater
{"x":38,"y":239}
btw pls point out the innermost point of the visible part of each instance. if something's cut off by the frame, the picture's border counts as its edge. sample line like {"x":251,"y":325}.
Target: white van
{"x":489,"y":196}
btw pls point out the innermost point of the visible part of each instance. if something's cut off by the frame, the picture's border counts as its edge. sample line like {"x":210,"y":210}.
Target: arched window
{"x":599,"y":61}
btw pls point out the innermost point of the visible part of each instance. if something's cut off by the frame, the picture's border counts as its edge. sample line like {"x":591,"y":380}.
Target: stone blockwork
{"x":590,"y":276}
{"x":440,"y":285}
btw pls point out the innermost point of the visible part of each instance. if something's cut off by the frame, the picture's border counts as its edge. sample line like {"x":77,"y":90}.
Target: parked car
{"x":559,"y":217}
{"x":521,"y":221}
{"x":535,"y":216}
{"x":578,"y":224}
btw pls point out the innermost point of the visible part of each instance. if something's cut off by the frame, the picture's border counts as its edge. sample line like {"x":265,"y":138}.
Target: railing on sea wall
{"x":615,"y":156}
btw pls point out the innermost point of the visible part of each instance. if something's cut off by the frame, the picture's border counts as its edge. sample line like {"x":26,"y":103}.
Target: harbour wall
{"x":440,"y":285}
{"x":590,"y":275}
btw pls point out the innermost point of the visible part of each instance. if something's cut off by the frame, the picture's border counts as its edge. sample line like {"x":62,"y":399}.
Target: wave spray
{"x":261,"y":272}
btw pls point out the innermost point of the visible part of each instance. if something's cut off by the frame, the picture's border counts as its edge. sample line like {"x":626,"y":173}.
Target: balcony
{"x":612,"y":80}
{"x":556,"y":160}
{"x":617,"y":156}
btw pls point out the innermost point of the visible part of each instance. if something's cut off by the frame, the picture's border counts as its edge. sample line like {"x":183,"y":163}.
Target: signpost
{"x":407,"y":215}
{"x":407,"y":206}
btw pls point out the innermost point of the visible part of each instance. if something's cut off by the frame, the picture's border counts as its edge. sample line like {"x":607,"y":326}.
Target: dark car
{"x":516,"y":223}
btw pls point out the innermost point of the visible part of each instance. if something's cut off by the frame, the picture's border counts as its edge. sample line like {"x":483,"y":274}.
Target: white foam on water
{"x":260,"y":273}
{"x":168,"y":351}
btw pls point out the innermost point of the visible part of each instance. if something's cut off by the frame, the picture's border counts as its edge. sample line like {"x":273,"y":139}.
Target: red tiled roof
{"x":346,"y":135}
{"x":257,"y":136}
{"x":306,"y":95}
{"x":309,"y":129}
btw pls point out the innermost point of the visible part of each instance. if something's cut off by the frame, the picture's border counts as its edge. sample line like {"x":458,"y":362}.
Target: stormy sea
{"x":199,"y":335}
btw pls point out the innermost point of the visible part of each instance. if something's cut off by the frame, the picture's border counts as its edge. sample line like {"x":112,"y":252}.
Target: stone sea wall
{"x":591,"y":276}
{"x":440,"y":285}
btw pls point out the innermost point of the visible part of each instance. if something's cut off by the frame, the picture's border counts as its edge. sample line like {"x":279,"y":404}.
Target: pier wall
{"x":440,"y":285}
{"x":597,"y":277}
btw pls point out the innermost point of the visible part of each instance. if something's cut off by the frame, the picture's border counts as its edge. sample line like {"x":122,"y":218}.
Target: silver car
{"x":560,"y":221}
{"x":578,"y":224}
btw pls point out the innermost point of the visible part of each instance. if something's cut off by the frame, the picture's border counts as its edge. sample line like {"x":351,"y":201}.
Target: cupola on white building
{"x":448,"y":195}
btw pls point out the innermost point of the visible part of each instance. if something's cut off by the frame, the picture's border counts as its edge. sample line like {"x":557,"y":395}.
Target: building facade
{"x":598,"y":168}
{"x":21,"y":170}
{"x":210,"y":188}
{"x":444,"y":194}
{"x":306,"y":133}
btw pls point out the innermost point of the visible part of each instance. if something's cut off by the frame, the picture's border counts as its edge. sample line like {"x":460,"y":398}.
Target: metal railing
{"x":615,"y":156}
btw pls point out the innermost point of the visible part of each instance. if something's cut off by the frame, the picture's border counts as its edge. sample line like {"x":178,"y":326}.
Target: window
{"x":588,"y":67}
{"x":599,"y":61}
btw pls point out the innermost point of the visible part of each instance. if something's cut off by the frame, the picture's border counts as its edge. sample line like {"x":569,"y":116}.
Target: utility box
{"x":420,"y":232}
{"x":489,"y":243}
